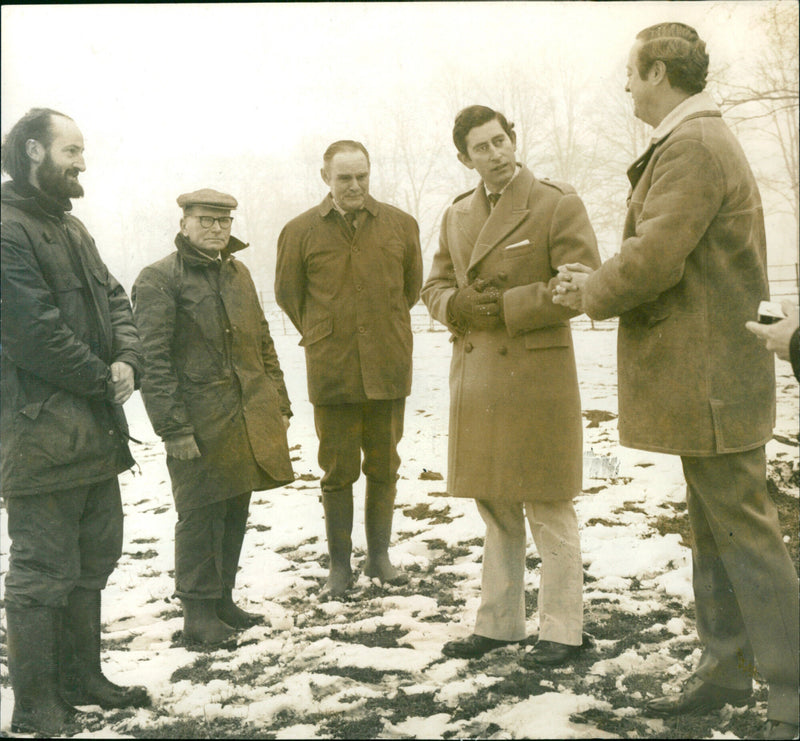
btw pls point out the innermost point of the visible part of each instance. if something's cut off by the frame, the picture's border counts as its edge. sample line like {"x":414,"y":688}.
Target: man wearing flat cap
{"x":348,"y":271}
{"x":215,"y":394}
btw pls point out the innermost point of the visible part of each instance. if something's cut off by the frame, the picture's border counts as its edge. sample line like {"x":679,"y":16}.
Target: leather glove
{"x":479,"y":307}
{"x":182,"y":447}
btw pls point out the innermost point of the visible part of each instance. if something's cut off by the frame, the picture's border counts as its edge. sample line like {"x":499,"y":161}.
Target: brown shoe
{"x":473,"y":647}
{"x":697,"y":696}
{"x":551,"y":653}
{"x":777,"y":729}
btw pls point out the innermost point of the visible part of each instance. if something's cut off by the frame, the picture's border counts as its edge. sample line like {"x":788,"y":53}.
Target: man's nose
{"x":215,"y":227}
{"x":627,"y":87}
{"x":80,"y":164}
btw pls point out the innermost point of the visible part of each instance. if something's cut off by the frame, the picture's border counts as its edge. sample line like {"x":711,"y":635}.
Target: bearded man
{"x":70,"y":359}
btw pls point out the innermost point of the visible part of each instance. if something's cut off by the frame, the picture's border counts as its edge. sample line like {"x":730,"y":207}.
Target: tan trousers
{"x":554,"y":525}
{"x":745,"y":585}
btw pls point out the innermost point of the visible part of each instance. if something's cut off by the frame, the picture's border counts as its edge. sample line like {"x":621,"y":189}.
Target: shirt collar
{"x":693,"y":104}
{"x":517,"y":171}
{"x":328,"y":205}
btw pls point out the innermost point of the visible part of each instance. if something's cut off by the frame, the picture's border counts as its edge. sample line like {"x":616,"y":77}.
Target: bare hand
{"x":122,"y":382}
{"x":776,"y":337}
{"x":569,"y":290}
{"x":183,"y":447}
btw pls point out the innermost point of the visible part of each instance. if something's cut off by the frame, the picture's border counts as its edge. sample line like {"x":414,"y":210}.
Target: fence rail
{"x":784,"y":283}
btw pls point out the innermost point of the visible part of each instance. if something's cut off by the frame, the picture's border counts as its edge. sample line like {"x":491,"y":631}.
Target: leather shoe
{"x":777,"y":729}
{"x":697,"y":696}
{"x":550,"y":653}
{"x":472,"y":647}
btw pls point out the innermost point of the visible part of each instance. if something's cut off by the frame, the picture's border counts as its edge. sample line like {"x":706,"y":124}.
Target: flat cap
{"x":207,"y":197}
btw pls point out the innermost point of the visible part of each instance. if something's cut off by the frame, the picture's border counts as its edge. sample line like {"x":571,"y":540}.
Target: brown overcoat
{"x":515,"y":417}
{"x":349,"y":295}
{"x":690,"y":272}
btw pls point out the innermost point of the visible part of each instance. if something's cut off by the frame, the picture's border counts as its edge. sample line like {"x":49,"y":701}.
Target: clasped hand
{"x":479,"y":304}
{"x":569,"y":289}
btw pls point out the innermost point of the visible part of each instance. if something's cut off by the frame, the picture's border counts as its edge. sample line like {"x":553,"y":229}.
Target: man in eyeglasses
{"x":214,"y":392}
{"x":71,"y":357}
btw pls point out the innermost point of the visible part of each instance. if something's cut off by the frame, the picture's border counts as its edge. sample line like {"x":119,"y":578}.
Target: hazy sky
{"x":160,"y":90}
{"x":168,"y":78}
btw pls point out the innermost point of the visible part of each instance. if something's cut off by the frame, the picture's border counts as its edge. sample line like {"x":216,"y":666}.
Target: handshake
{"x":477,"y":306}
{"x":569,"y":289}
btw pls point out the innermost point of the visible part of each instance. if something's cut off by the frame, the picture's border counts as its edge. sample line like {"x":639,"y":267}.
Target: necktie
{"x":350,"y":218}
{"x":493,"y":199}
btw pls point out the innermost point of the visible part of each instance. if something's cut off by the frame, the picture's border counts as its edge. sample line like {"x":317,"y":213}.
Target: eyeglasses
{"x":208,"y":221}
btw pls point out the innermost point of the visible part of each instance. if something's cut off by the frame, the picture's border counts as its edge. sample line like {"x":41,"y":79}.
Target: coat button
{"x":503,"y":350}
{"x":358,"y":286}
{"x":111,"y":432}
{"x":361,"y":330}
{"x":503,"y":276}
{"x":468,"y":347}
{"x":355,"y":249}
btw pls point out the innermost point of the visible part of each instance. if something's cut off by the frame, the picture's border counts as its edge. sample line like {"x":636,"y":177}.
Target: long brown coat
{"x":690,"y":272}
{"x":349,"y":296}
{"x":515,"y":417}
{"x":212,"y":371}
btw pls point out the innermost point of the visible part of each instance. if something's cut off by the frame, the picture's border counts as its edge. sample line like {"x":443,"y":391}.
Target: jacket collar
{"x":696,"y":106}
{"x":484,"y":228}
{"x":26,"y":197}
{"x":699,"y":104}
{"x":370,"y":204}
{"x":199,"y":258}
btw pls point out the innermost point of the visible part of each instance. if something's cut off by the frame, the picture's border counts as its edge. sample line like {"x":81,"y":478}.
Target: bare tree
{"x":766,"y":106}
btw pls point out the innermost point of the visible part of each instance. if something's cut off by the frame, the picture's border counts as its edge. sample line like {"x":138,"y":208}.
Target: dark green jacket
{"x":65,"y":319}
{"x":691,"y":271}
{"x":212,"y":371}
{"x":349,"y":296}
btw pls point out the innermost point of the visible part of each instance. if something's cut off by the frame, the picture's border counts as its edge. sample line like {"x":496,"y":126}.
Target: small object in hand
{"x":770,"y":312}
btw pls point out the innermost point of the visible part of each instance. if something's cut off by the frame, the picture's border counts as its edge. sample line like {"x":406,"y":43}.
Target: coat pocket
{"x":317,"y":332}
{"x":540,"y":339}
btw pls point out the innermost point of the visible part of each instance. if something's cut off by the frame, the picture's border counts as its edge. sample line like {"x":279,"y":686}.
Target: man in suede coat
{"x":692,"y":380}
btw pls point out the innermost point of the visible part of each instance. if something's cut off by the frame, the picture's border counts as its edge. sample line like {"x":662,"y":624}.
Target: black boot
{"x":379,"y":510}
{"x":229,"y":612}
{"x":39,"y":709}
{"x":202,"y":626}
{"x":338,"y":506}
{"x":81,"y":678}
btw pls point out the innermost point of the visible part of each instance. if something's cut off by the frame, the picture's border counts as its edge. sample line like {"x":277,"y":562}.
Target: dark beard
{"x":53,"y":181}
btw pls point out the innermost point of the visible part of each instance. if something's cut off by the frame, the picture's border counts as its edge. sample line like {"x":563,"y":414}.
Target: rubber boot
{"x":81,"y":677}
{"x":229,"y":612}
{"x":202,"y":626}
{"x":39,"y":709}
{"x":379,"y":509}
{"x":338,"y":505}
{"x":232,"y":539}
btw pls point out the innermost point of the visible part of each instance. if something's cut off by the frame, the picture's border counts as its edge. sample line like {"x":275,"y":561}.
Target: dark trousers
{"x":344,"y":430}
{"x":62,"y":540}
{"x":208,"y":541}
{"x":745,"y":585}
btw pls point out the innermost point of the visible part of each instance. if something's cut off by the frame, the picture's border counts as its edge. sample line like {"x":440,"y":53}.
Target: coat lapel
{"x":507,"y":215}
{"x":471,"y":215}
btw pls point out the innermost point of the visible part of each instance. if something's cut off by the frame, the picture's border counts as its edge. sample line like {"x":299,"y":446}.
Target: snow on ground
{"x":371,"y":665}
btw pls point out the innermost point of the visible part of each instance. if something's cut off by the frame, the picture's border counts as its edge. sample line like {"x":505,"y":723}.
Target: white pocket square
{"x":523,"y":243}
